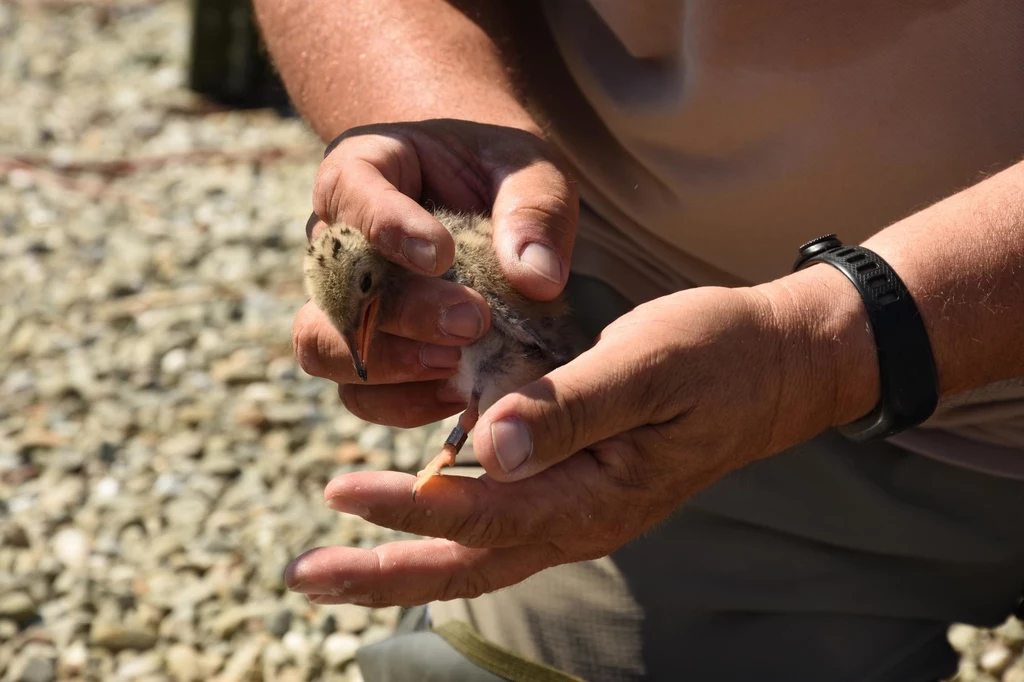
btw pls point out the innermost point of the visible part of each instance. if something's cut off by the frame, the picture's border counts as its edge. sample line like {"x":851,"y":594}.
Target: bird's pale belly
{"x":495,"y":366}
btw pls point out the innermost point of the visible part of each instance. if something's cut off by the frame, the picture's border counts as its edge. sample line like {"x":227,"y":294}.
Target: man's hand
{"x":374,"y":179}
{"x":673,"y":396}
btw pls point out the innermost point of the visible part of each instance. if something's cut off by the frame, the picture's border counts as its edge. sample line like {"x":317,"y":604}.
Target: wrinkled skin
{"x":673,"y":395}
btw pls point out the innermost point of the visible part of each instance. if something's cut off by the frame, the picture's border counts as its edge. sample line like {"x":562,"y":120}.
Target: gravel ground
{"x":161,"y":455}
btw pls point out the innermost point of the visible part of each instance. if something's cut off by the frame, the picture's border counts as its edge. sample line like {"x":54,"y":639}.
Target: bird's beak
{"x":359,"y":342}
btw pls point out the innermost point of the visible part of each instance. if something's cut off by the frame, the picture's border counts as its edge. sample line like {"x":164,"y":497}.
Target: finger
{"x":438,"y":311}
{"x":371,"y":183}
{"x":479,"y":512}
{"x":322,"y":352}
{"x":402,"y":405}
{"x":413,"y":572}
{"x":604,"y":392}
{"x":536,"y":213}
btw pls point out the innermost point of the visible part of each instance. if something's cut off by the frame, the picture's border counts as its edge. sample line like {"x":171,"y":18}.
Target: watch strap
{"x":908,"y":378}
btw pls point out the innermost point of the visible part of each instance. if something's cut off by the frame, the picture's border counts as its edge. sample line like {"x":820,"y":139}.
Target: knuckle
{"x":327,"y":191}
{"x":569,"y":422}
{"x":553,"y":211}
{"x":306,"y":343}
{"x":467,"y":583}
{"x":370,"y":219}
{"x":482,"y":528}
{"x":470,"y":530}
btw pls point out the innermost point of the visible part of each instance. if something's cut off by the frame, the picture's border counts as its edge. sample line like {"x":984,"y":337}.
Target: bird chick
{"x":355,"y":287}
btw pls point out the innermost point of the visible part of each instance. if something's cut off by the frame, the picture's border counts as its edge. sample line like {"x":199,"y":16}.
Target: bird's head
{"x":349,"y":281}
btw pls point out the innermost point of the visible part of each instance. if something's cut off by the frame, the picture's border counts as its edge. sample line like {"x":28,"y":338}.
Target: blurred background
{"x":162,"y":457}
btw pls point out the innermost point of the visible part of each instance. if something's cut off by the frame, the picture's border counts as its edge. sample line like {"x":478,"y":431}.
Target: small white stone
{"x":71,"y":546}
{"x":295,"y":643}
{"x":138,"y":667}
{"x":167,"y":485}
{"x":995,"y":659}
{"x":74,"y":659}
{"x":339,"y":648}
{"x":174,"y":361}
{"x":182,"y":663}
{"x":107,"y":488}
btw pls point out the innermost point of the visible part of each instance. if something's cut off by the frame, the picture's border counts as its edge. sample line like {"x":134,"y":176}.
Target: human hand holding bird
{"x":354,"y":285}
{"x":374,"y":179}
{"x":671,"y":397}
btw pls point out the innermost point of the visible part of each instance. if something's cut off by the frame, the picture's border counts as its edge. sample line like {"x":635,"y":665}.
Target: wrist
{"x":828,"y":362}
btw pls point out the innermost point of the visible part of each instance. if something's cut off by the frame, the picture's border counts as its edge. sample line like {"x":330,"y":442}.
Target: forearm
{"x":962,"y":260}
{"x":375,"y":61}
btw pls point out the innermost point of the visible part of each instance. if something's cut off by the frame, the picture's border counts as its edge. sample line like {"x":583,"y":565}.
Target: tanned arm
{"x":356,"y":62}
{"x":963,"y":261}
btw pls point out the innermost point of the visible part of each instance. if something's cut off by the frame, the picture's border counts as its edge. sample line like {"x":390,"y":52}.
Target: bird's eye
{"x":365,"y":283}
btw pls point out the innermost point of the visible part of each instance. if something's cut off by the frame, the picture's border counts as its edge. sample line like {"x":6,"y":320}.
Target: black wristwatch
{"x":909,"y":381}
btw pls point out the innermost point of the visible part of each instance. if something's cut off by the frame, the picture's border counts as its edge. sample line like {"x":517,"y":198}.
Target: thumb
{"x":602,"y":393}
{"x":535,"y":215}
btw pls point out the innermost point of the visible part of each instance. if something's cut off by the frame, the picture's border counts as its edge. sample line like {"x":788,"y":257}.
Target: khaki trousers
{"x":831,"y":561}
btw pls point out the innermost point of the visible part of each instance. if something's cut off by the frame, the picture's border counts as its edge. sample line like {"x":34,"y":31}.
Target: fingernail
{"x":543,"y":261}
{"x":420,"y":253}
{"x":463,"y":320}
{"x":340,"y":504}
{"x":310,"y":224}
{"x":512,"y":443}
{"x":440,"y":357}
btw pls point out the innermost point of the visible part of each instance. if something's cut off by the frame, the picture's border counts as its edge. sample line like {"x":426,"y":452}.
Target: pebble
{"x":351,"y":618}
{"x":183,"y":445}
{"x":37,"y":670}
{"x":71,"y":546}
{"x":1012,"y":632}
{"x":138,"y":667}
{"x":961,"y":637}
{"x":242,"y":661}
{"x":375,"y":633}
{"x":995,"y":659}
{"x":14,"y":535}
{"x":296,"y":644}
{"x":375,"y":437}
{"x":18,"y":606}
{"x":107,"y":488}
{"x":8,"y":628}
{"x":228,"y":622}
{"x":117,"y":637}
{"x":174,"y":361}
{"x":280,"y":622}
{"x":339,"y":648}
{"x":73,"y":659}
{"x":182,"y":663}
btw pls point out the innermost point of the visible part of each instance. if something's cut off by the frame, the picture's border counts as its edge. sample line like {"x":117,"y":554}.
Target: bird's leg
{"x":452,"y":445}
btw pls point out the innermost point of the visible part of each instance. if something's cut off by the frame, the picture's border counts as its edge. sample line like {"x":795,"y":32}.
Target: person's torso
{"x":712,"y":137}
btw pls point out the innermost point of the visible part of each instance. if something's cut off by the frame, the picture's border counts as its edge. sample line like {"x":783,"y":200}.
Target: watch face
{"x":816,"y":247}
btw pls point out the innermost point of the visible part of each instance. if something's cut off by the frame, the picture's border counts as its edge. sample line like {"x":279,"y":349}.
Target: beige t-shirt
{"x":712,"y":137}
